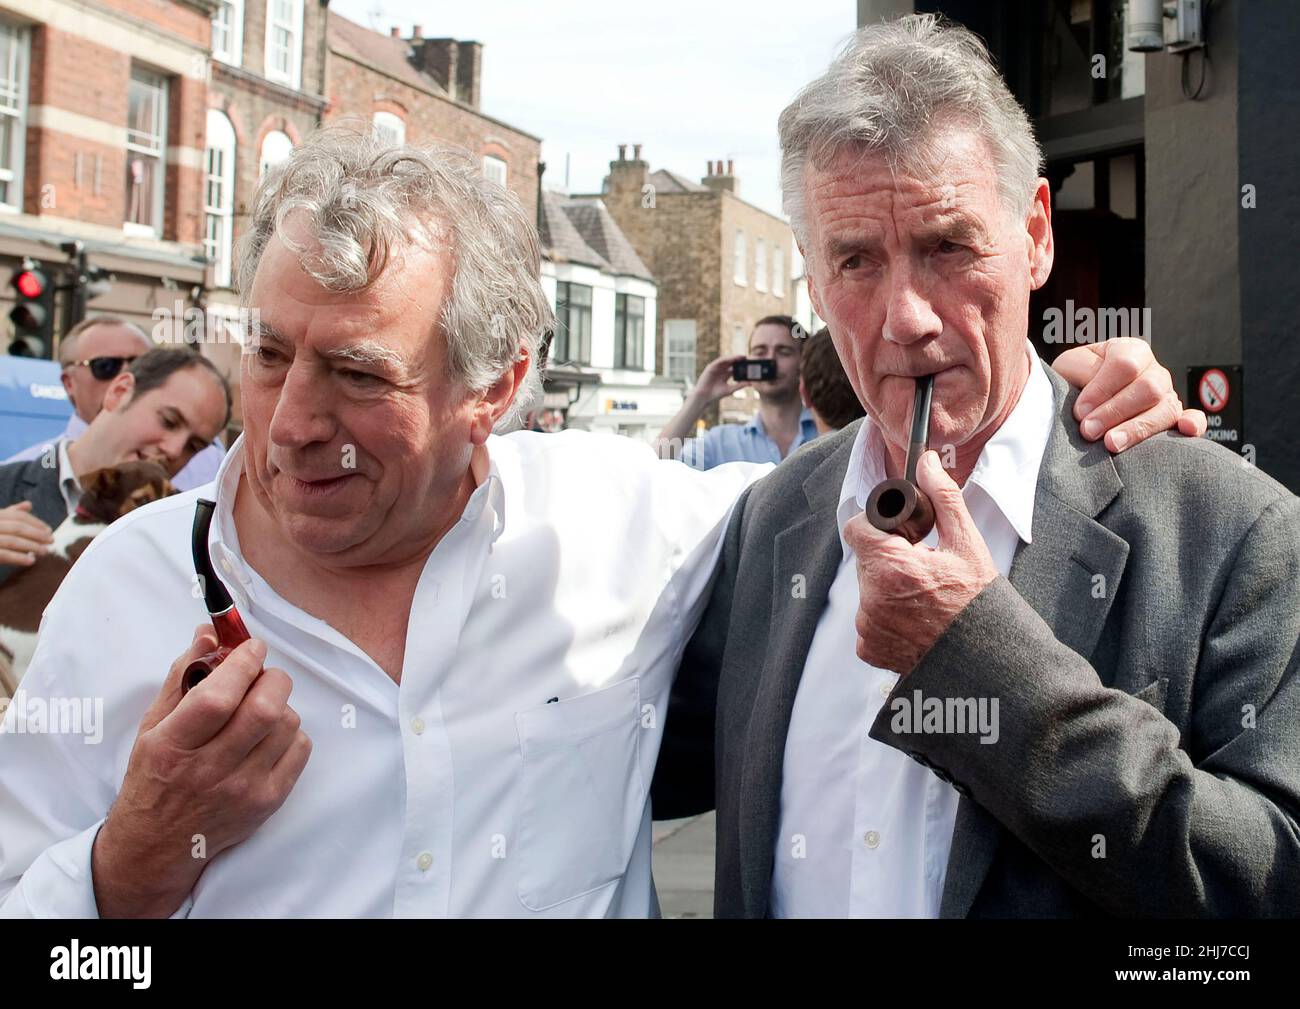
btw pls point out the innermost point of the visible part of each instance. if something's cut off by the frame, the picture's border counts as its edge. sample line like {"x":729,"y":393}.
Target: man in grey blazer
{"x":1091,"y":661}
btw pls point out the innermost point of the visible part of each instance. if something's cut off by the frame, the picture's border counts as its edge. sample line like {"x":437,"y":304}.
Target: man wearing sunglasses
{"x":167,"y":406}
{"x":92,"y":354}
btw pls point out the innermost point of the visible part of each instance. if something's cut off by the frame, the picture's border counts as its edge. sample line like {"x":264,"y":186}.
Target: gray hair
{"x":363,"y":198}
{"x":888,"y":88}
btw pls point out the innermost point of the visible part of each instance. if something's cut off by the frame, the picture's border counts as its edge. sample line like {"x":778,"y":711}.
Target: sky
{"x":689,"y":81}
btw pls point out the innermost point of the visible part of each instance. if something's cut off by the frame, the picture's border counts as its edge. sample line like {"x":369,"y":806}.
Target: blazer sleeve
{"x":1094,"y":780}
{"x":684,"y":774}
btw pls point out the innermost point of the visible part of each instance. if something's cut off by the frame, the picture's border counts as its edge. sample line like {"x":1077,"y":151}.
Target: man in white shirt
{"x":479,"y":632}
{"x":91,"y":355}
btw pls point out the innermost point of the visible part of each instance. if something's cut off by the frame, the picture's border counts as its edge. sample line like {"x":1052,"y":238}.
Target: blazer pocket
{"x":1155,"y":693}
{"x":582,"y":793}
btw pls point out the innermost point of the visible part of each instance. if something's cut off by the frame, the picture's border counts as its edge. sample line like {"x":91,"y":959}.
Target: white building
{"x":601,"y":371}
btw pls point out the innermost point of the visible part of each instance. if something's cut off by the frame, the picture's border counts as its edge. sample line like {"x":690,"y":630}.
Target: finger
{"x":866,"y":541}
{"x":203,"y":640}
{"x":951,"y":517}
{"x":16,"y":558}
{"x":289,"y":767}
{"x":1193,"y":423}
{"x":268,"y":751}
{"x":1124,"y":361}
{"x":255,"y":719}
{"x":1143,"y":426}
{"x":25,"y":524}
{"x":1078,"y":364}
{"x":207,"y":708}
{"x":1150,"y":391}
{"x":24,"y":542}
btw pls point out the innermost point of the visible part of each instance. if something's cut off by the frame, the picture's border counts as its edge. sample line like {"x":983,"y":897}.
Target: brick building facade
{"x":104,"y":104}
{"x":423,"y":89}
{"x":721,"y":263}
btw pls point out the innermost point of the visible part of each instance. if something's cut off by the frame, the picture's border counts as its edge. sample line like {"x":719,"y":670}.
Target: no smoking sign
{"x":1216,"y":389}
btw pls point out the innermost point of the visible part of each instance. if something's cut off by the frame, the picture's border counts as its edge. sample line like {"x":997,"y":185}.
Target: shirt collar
{"x":223,"y":540}
{"x":69,"y":485}
{"x":755,"y":422}
{"x":1007,"y":468}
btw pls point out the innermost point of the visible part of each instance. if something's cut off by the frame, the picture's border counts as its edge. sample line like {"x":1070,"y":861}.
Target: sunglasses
{"x":103,"y":368}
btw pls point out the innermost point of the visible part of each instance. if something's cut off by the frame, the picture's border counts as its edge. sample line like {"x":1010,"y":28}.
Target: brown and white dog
{"x":107,"y":495}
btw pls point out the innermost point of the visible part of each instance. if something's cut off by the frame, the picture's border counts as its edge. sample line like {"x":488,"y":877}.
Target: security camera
{"x":1156,"y":25}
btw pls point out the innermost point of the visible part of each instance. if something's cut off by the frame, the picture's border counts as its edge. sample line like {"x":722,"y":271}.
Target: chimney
{"x":440,"y":59}
{"x":394,"y":32}
{"x":469,"y":72}
{"x":626,"y":177}
{"x":417,"y":33}
{"x":718,"y":180}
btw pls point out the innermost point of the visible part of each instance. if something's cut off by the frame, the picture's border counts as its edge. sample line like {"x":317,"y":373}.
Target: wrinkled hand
{"x":215,"y":762}
{"x":910,"y":593}
{"x":23,"y":537}
{"x":1127,"y":396}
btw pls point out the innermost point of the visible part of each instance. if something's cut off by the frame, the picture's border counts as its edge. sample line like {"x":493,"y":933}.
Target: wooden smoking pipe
{"x":230,"y":628}
{"x":900,"y":506}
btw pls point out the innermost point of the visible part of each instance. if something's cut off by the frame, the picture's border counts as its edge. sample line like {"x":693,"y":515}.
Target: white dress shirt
{"x":865,"y":830}
{"x":69,"y":485}
{"x":507,"y":775}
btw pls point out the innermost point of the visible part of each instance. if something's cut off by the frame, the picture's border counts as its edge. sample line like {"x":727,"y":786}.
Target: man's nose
{"x":301,"y":414}
{"x":909,"y":315}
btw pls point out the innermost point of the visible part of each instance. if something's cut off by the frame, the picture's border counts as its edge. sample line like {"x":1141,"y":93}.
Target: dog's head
{"x":108,"y":494}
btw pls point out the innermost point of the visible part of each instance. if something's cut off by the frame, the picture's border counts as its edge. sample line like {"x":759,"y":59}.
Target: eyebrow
{"x":958,"y":228}
{"x":363,"y":352}
{"x":366,"y":352}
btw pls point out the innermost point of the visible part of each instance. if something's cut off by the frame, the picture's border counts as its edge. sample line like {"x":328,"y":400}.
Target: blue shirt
{"x":742,"y":443}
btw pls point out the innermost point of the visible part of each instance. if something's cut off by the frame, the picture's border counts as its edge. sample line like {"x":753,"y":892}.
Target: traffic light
{"x":33,"y":312}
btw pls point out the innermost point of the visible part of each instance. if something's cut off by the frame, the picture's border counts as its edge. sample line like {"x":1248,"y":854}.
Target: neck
{"x":780,"y":416}
{"x":968,"y":453}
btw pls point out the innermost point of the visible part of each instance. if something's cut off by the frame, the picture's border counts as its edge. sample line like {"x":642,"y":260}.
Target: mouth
{"x":319,"y":487}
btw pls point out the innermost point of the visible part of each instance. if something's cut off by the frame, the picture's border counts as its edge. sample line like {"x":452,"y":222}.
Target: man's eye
{"x":169,"y":423}
{"x":265,"y":355}
{"x":359,"y":377}
{"x":852,"y":263}
{"x":947,"y":248}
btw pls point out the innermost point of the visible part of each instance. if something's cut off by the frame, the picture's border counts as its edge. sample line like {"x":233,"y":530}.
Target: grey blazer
{"x":30,"y":481}
{"x":1159,"y":716}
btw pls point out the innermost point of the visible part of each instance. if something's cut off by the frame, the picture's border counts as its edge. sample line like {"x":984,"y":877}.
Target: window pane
{"x":738,"y":256}
{"x":760,"y":265}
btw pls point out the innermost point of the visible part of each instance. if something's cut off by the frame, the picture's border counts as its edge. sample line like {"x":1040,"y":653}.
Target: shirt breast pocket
{"x":582,"y":793}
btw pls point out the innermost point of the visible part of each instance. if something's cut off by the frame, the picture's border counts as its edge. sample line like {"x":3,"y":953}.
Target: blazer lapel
{"x":806,"y":557}
{"x":1070,"y":575}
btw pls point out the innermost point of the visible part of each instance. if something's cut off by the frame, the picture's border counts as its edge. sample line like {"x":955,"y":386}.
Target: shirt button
{"x":417,"y":725}
{"x":871,"y":839}
{"x":225,"y":565}
{"x":424,"y":861}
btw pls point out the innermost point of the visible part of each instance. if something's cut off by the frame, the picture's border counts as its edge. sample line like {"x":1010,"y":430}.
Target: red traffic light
{"x":30,"y":283}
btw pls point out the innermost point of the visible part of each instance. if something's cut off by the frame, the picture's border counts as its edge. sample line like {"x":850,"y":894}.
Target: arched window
{"x":275,"y":148}
{"x":389,"y":129}
{"x":219,"y":195}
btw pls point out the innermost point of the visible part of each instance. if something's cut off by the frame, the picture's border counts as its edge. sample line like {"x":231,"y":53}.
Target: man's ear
{"x":497,"y":399}
{"x":119,"y":390}
{"x":1042,"y":249}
